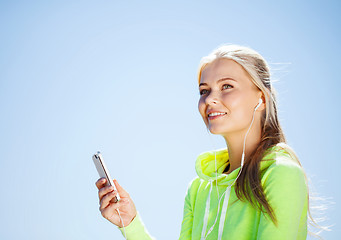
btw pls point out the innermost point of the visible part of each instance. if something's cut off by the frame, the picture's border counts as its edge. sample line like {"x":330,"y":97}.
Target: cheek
{"x":201,"y":106}
{"x":230,"y":101}
{"x":202,"y":109}
{"x":237,"y":104}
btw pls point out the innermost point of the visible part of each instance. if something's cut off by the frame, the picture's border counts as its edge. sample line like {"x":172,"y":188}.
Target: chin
{"x":215,"y":130}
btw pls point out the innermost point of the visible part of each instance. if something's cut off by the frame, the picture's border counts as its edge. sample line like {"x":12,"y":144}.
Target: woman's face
{"x":228,"y":97}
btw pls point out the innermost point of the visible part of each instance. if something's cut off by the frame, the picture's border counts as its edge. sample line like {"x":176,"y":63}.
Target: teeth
{"x":215,"y":114}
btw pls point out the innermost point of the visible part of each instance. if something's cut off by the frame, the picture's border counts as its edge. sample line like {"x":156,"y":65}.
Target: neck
{"x":235,"y":143}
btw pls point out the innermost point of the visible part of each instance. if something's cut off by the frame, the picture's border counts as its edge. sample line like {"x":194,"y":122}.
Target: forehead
{"x":223,"y":68}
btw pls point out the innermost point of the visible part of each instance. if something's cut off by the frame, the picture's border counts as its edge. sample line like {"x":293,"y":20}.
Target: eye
{"x":227,"y":86}
{"x":203,"y":91}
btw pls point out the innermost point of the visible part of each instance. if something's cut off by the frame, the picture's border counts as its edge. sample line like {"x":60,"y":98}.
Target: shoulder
{"x":281,"y":165}
{"x":284,"y":184}
{"x":194,"y":189}
{"x":194,"y":185}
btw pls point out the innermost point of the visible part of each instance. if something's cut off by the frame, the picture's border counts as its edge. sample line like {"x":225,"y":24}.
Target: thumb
{"x":120,"y":189}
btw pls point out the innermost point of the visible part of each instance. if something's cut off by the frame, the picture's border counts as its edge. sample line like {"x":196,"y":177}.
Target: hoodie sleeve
{"x":287,"y":193}
{"x":136,"y":230}
{"x":187,"y":222}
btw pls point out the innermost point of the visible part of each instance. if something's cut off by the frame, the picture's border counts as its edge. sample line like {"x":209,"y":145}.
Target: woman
{"x":253,"y":189}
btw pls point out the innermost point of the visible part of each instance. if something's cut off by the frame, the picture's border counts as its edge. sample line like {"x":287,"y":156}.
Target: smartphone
{"x":103,"y":171}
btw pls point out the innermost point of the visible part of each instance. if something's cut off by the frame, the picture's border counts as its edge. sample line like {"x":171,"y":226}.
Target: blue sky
{"x":120,"y":77}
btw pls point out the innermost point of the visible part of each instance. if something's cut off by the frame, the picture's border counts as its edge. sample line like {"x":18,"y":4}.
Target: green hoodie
{"x":211,"y":199}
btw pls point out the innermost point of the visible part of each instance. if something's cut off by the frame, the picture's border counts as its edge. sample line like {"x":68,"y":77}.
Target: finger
{"x":101,"y":183}
{"x":122,"y":192}
{"x":124,"y":205}
{"x":104,"y":190}
{"x":111,"y":214}
{"x":108,"y":199}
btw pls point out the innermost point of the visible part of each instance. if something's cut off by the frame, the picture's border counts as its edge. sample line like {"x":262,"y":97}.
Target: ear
{"x":263,"y":105}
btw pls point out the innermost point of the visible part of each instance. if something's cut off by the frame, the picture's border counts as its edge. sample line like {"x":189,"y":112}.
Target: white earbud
{"x":260,"y":101}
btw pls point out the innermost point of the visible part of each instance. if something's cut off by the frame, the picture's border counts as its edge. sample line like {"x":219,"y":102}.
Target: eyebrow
{"x":220,"y":80}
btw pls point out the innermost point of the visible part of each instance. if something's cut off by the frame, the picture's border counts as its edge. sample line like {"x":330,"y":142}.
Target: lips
{"x":215,"y":114}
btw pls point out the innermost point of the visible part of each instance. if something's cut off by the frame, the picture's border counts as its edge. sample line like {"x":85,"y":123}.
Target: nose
{"x":211,"y":99}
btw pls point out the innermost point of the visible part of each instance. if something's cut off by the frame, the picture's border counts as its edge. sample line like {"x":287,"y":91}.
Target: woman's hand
{"x":108,"y":204}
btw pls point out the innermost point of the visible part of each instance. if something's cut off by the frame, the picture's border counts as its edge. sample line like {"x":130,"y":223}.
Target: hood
{"x":205,"y":163}
{"x":210,"y":167}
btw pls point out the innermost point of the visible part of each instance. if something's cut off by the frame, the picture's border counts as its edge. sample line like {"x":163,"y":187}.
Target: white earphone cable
{"x":243,"y":154}
{"x":124,"y":230}
{"x":241,"y":167}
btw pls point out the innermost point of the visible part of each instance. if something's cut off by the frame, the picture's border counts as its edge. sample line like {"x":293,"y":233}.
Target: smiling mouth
{"x":215,"y":115}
